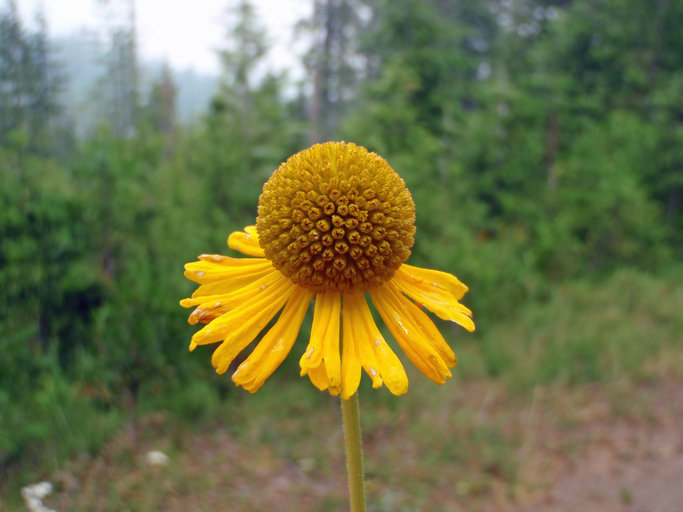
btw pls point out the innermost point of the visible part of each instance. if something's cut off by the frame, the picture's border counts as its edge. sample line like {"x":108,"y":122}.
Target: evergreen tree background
{"x":541,"y":139}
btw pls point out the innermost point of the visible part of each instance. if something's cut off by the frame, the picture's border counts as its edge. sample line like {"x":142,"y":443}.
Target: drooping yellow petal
{"x":424,"y":324}
{"x":246,"y":242}
{"x":396,"y":312}
{"x":209,"y":311}
{"x":260,"y":285}
{"x":422,"y":277}
{"x":263,"y":299}
{"x":382,"y":358}
{"x":427,"y":292}
{"x":434,"y":297}
{"x":313,"y":355}
{"x":331,"y":355}
{"x":429,"y":330}
{"x":203,"y":271}
{"x":213,"y":306}
{"x":323,"y":347}
{"x":318,"y":376}
{"x":363,"y":337}
{"x":275,"y":345}
{"x":350,"y":361}
{"x":227,"y":260}
{"x":247,"y":321}
{"x":227,"y":285}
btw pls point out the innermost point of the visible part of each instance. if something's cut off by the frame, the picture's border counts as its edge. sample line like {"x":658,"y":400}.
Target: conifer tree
{"x":247,"y":132}
{"x":161,"y":106}
{"x":118,"y":90}
{"x":334,"y":30}
{"x":30,"y":83}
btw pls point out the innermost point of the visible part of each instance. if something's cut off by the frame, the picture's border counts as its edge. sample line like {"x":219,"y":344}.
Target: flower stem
{"x":354,"y":453}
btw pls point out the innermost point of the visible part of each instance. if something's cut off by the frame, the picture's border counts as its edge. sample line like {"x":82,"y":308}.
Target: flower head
{"x":334,"y":221}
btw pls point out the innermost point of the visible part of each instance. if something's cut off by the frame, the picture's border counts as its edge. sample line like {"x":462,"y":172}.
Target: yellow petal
{"x":427,"y":293}
{"x":424,"y":324}
{"x":331,"y":355}
{"x":228,"y":285}
{"x":247,"y":325}
{"x":436,"y":299}
{"x":318,"y":377}
{"x":429,"y":331}
{"x":313,"y":355}
{"x":390,"y":368}
{"x":350,"y":361}
{"x":399,"y":318}
{"x":227,"y":260}
{"x":239,"y":295}
{"x":363,"y":337}
{"x":213,"y":306}
{"x":275,"y":345}
{"x":203,"y":271}
{"x":323,"y":346}
{"x":246,"y":242}
{"x":208,"y":311}
{"x":422,"y":277}
{"x":255,"y":307}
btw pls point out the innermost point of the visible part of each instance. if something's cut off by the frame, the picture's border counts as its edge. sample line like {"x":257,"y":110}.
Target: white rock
{"x":39,"y":490}
{"x":157,"y":458}
{"x":34,"y":494}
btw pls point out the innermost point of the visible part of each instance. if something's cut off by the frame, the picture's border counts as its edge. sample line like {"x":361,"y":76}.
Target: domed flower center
{"x":336,"y":217}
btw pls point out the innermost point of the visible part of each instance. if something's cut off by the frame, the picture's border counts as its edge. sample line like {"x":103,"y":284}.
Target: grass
{"x":590,"y":353}
{"x":589,"y":333}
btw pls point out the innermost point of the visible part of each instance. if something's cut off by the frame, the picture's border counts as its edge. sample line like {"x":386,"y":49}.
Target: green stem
{"x":354,"y":453}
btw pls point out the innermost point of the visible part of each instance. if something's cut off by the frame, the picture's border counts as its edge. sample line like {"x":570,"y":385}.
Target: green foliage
{"x":56,"y":416}
{"x":588,"y":332}
{"x":49,"y":292}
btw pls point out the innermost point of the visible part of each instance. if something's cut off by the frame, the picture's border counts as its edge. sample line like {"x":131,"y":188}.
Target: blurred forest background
{"x":542,"y":141}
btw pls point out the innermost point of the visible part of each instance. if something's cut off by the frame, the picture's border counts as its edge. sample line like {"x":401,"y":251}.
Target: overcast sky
{"x":186,"y":33}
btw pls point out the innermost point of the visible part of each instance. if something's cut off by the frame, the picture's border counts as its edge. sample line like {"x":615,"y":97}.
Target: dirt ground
{"x":629,"y":460}
{"x":609,"y":450}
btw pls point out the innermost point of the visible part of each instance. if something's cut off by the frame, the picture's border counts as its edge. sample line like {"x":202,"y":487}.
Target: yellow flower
{"x":334,"y":221}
